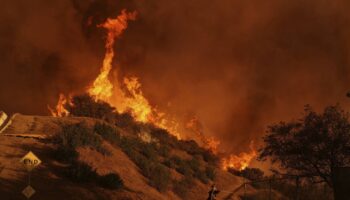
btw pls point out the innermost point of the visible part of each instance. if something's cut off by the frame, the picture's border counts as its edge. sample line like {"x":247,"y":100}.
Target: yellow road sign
{"x":30,"y":161}
{"x":28,"y":191}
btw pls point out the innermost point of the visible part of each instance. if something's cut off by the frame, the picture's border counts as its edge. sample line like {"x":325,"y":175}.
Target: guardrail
{"x":8,"y":123}
{"x":3,"y":118}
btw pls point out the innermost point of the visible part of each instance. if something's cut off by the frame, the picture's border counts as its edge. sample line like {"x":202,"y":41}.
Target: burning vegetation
{"x":60,"y":110}
{"x":241,"y":161}
{"x":127,"y":97}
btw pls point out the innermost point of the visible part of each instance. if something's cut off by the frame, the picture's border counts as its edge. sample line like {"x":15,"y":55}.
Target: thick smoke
{"x":237,"y":65}
{"x":43,"y":52}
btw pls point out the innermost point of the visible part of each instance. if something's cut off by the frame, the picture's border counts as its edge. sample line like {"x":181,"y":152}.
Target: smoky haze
{"x":237,"y":65}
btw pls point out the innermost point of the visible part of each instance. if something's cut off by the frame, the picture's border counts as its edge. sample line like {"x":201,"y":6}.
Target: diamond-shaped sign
{"x":30,"y":161}
{"x":28,"y":191}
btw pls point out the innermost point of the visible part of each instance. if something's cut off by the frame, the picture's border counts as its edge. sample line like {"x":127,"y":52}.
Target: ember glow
{"x":241,"y":161}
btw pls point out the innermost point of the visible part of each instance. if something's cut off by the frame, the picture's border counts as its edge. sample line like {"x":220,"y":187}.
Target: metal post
{"x":29,"y":178}
{"x":270,"y":189}
{"x":244,"y":189}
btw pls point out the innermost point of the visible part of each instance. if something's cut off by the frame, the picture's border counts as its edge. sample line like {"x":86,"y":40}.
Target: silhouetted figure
{"x":213,"y":192}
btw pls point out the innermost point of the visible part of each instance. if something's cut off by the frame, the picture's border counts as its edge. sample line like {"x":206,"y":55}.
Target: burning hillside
{"x":127,"y":96}
{"x":235,"y":66}
{"x":183,"y":80}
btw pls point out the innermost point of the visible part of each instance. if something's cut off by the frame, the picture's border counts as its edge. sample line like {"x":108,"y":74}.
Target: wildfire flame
{"x":209,"y":142}
{"x":131,"y":98}
{"x":138,"y":104}
{"x":60,"y":110}
{"x":102,"y":86}
{"x":142,"y":110}
{"x":241,"y":161}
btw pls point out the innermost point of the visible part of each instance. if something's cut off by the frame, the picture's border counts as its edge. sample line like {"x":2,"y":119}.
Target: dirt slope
{"x":30,"y":133}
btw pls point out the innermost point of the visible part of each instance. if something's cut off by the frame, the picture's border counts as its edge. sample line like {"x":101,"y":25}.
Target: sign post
{"x":30,"y":162}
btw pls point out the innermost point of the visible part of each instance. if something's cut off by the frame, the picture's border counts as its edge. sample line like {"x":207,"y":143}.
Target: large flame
{"x":102,"y":86}
{"x":137,"y":103}
{"x":60,"y":110}
{"x":131,"y":99}
{"x":128,"y":96}
{"x":241,"y":161}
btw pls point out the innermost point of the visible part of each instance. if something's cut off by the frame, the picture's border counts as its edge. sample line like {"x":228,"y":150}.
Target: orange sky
{"x":236,"y":65}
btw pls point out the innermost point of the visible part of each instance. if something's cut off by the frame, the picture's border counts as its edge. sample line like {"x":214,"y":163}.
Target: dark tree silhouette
{"x":85,"y":106}
{"x":313,"y":146}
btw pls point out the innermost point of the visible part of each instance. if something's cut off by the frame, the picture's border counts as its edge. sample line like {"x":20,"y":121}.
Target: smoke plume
{"x":236,"y":65}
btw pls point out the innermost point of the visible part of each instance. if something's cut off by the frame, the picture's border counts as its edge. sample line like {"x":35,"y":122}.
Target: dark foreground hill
{"x":149,"y":163}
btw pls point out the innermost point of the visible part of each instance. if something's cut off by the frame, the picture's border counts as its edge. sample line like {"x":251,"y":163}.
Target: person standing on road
{"x":213,"y":192}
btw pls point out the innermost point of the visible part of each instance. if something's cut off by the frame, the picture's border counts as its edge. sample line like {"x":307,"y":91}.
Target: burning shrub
{"x":248,"y":173}
{"x":85,"y":106}
{"x":111,"y":181}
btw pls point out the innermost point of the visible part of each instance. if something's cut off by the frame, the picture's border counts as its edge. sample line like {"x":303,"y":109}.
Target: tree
{"x":313,"y":146}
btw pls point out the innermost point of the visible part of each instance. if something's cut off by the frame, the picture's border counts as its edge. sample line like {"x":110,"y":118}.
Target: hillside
{"x":33,"y":133}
